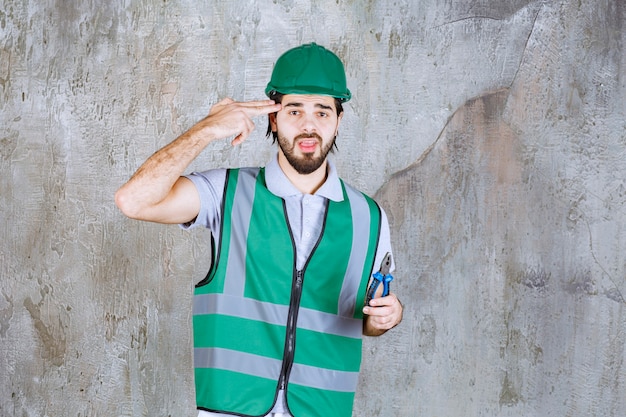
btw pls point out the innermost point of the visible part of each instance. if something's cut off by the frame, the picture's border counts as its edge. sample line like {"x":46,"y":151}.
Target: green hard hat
{"x":309,"y":69}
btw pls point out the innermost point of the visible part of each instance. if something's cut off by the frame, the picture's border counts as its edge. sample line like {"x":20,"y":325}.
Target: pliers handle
{"x":381,"y":277}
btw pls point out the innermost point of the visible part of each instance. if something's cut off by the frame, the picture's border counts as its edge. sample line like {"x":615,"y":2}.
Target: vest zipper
{"x":292,"y":319}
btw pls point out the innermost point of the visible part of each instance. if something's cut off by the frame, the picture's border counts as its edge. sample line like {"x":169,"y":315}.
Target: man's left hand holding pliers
{"x":384,"y":311}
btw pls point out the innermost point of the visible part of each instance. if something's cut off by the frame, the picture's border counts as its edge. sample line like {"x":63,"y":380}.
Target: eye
{"x":294,"y":112}
{"x":323,"y":114}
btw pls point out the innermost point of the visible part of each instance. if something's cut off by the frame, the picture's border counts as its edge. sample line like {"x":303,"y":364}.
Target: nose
{"x":307,"y":123}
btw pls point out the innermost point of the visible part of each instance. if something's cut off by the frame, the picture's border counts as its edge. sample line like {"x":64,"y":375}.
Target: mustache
{"x":308,"y":136}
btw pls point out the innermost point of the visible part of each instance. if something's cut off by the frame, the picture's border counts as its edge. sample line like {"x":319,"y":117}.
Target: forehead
{"x":301,"y":100}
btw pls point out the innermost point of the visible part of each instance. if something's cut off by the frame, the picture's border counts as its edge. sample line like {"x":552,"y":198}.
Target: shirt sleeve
{"x":210,"y":185}
{"x":384,"y":243}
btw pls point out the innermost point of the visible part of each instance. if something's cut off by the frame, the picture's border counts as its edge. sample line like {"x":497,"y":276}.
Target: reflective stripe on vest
{"x":242,"y":344}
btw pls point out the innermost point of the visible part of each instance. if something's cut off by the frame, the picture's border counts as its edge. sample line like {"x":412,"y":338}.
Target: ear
{"x":272,"y":117}
{"x":338,"y":121}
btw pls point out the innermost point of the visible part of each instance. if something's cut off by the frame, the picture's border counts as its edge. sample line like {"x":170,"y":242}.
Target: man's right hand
{"x":233,"y":118}
{"x":157,"y":192}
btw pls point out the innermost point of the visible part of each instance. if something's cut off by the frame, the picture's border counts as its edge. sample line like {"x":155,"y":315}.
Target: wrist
{"x":200,"y":135}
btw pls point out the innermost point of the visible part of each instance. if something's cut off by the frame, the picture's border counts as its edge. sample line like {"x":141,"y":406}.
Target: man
{"x":279,"y":318}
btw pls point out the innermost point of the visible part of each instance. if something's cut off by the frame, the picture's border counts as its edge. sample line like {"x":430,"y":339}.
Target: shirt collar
{"x":278,"y":183}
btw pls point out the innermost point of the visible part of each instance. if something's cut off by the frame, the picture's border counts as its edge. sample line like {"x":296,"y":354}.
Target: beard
{"x":307,"y":162}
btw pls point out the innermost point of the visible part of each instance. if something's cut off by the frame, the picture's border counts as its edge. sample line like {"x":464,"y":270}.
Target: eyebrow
{"x":298,"y":104}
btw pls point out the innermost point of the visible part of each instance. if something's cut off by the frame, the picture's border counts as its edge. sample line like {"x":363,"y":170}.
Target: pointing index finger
{"x":257,"y":108}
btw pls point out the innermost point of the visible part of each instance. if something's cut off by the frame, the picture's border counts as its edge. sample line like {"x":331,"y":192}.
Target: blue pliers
{"x":381,"y":277}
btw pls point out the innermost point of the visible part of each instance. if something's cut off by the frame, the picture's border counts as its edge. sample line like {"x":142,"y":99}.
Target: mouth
{"x":308,"y":143}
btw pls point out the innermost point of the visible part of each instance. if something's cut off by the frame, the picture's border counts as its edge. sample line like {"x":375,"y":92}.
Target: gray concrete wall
{"x":493,"y":132}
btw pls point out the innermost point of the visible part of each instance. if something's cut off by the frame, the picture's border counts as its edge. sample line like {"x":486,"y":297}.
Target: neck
{"x":305,"y":183}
